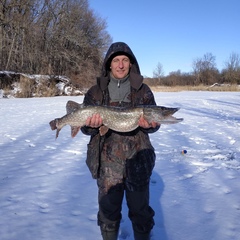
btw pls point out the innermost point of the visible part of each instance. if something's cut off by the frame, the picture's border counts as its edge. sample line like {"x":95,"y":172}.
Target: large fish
{"x":116,"y":118}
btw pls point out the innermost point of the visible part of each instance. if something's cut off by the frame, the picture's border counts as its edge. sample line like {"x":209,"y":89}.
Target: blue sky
{"x":173,"y":32}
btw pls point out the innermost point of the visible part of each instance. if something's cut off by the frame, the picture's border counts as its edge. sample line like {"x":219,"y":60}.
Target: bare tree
{"x":158,"y":74}
{"x":205,"y":70}
{"x":52,"y":37}
{"x":231,"y":72}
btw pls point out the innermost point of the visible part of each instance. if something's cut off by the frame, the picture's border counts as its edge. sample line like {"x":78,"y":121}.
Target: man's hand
{"x":95,"y":121}
{"x":145,"y":124}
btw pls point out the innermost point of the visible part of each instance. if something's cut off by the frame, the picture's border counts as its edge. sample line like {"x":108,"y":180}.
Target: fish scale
{"x":115,"y":118}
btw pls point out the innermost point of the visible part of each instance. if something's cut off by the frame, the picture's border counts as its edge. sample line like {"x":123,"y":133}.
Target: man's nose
{"x":120,"y":65}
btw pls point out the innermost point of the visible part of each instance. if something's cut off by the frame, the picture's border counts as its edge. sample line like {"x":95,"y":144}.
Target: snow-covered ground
{"x":46,"y":190}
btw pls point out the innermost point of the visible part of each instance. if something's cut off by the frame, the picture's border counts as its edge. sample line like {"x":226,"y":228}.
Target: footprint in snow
{"x":44,"y":208}
{"x":9,"y":136}
{"x":226,"y":190}
{"x":76,"y":213}
{"x":208,"y":209}
{"x":186,"y":176}
{"x":49,"y":147}
{"x":29,"y":143}
{"x":92,"y":217}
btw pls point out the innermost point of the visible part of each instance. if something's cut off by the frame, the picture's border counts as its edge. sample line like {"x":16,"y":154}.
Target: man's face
{"x":120,"y":66}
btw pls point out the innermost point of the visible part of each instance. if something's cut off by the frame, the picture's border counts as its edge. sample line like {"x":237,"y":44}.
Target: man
{"x":121,"y":162}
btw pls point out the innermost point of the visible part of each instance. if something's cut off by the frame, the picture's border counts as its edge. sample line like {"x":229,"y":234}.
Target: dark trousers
{"x":131,"y":177}
{"x":140,"y":213}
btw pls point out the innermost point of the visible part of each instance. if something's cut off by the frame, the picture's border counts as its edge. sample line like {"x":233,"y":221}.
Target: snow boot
{"x":141,"y":236}
{"x":110,"y":235}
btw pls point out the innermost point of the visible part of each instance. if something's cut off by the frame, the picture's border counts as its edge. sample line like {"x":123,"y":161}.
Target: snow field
{"x":47,"y":191}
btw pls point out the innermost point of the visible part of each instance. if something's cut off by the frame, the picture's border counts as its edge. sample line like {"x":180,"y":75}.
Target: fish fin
{"x":103,"y":130}
{"x":72,"y":106}
{"x":74,"y":131}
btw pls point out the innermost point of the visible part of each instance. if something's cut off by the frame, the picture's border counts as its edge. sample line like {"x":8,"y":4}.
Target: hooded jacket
{"x":107,"y":148}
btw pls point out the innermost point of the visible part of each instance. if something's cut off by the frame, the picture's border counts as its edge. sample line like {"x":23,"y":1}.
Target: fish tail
{"x":53,"y":125}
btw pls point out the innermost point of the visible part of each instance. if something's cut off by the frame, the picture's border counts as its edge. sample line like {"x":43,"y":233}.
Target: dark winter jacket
{"x":115,"y":148}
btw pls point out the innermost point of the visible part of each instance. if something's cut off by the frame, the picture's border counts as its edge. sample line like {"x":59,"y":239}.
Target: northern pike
{"x":120,"y":119}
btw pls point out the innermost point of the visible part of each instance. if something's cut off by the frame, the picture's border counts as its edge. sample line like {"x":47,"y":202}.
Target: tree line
{"x":55,"y":37}
{"x":66,"y":37}
{"x":204,"y":72}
